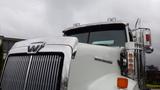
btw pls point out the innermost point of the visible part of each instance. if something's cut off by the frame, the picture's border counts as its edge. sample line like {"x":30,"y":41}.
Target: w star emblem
{"x":35,"y":47}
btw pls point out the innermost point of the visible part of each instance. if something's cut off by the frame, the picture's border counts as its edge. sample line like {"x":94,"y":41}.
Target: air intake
{"x":40,"y":71}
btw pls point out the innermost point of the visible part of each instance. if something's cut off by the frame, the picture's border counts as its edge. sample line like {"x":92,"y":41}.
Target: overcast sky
{"x":38,"y":18}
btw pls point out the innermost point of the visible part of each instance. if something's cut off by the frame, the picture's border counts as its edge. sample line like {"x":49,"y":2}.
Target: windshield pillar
{"x":127,"y":33}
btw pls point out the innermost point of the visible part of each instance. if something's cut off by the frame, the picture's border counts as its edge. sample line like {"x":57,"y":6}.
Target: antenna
{"x":111,"y":19}
{"x":138,"y":23}
{"x":76,"y":24}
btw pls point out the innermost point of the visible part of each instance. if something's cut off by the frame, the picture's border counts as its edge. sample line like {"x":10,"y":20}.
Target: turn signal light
{"x":130,"y":63}
{"x":122,"y":83}
{"x":130,"y":56}
{"x":148,"y":37}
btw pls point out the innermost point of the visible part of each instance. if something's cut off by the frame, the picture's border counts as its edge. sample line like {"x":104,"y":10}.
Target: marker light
{"x":148,"y":37}
{"x":122,"y":83}
{"x":130,"y":57}
{"x":130,"y":63}
{"x":148,"y":40}
{"x":130,"y":68}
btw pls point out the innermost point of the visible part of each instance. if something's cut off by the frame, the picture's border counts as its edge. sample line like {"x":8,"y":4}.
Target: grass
{"x":152,"y":86}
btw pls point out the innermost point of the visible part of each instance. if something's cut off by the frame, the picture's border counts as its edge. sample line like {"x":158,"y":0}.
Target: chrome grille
{"x":15,"y":73}
{"x":42,"y":73}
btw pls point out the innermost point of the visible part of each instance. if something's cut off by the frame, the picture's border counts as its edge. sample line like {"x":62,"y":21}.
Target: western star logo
{"x":35,"y":47}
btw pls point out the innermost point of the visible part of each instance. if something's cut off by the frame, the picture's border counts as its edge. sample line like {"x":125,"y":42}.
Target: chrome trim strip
{"x":66,"y":68}
{"x":103,"y":60}
{"x":27,"y":72}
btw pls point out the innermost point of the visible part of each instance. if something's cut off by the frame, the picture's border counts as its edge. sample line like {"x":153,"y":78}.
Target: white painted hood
{"x":71,"y":41}
{"x":49,"y":41}
{"x":87,"y":73}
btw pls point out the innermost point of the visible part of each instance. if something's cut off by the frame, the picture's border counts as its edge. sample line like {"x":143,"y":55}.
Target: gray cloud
{"x":21,"y":18}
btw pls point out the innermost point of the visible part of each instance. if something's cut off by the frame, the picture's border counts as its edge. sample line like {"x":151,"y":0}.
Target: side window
{"x":82,"y":37}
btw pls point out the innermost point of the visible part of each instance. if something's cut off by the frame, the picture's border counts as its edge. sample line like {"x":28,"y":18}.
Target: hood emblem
{"x":35,"y":47}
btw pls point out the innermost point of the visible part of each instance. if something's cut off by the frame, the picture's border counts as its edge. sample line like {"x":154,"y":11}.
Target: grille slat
{"x":51,"y":80}
{"x":58,"y":59}
{"x":47,"y":80}
{"x":55,"y":71}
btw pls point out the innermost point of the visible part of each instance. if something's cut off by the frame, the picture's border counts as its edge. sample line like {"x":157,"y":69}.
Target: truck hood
{"x":91,"y":63}
{"x":101,"y":52}
{"x":69,"y":41}
{"x":47,"y":44}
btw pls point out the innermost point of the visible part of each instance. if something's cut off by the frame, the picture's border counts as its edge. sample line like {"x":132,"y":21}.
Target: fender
{"x":109,"y":82}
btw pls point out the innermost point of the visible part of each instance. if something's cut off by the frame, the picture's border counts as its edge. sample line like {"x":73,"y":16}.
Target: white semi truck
{"x":99,"y":56}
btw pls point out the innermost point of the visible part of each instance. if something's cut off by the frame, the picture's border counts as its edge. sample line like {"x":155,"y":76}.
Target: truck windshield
{"x":105,"y":38}
{"x":106,"y":35}
{"x":108,"y":38}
